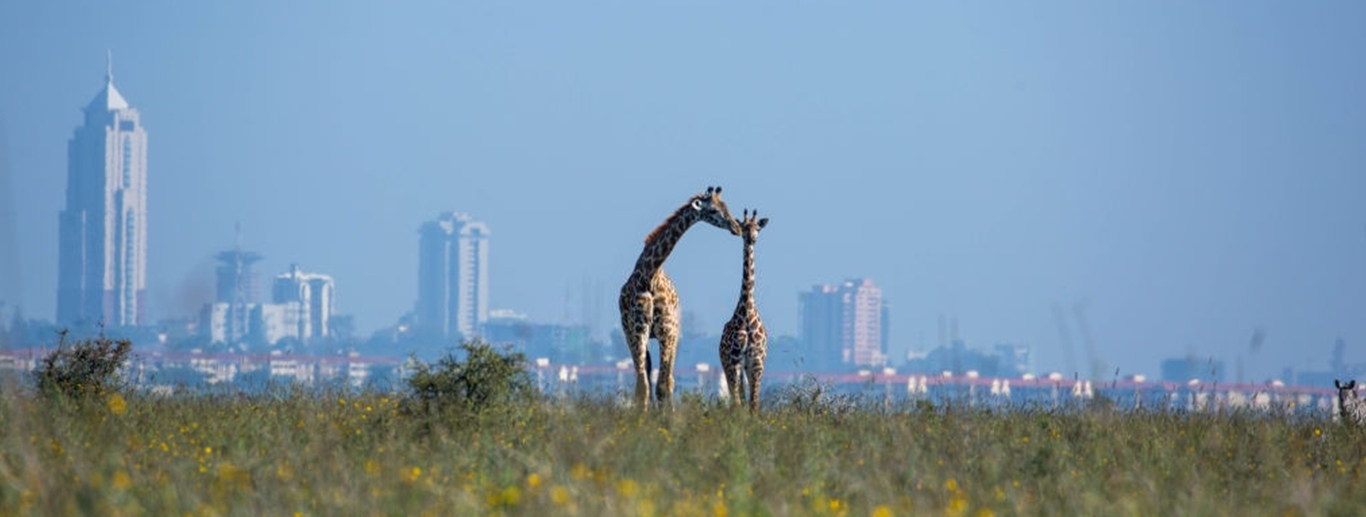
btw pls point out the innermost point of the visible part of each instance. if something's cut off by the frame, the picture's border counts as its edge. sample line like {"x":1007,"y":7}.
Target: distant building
{"x":453,"y":276}
{"x":1004,"y":360}
{"x":885,"y":322}
{"x":302,"y":309}
{"x":561,"y":344}
{"x":237,"y":295}
{"x":821,"y":318}
{"x":1338,"y":369}
{"x":102,"y":263}
{"x":1014,"y":359}
{"x":261,"y":323}
{"x":312,"y":296}
{"x":843,"y":324}
{"x":1190,"y":367}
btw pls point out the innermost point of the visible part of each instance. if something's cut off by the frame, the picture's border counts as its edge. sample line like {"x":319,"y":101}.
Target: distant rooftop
{"x":108,"y":98}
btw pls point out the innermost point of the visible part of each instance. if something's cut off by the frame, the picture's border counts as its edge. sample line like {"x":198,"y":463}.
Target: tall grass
{"x":292,"y":451}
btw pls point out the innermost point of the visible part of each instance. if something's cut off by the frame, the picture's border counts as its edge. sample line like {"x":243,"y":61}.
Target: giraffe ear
{"x":1352,"y":384}
{"x":763,"y":222}
{"x":697,"y":204}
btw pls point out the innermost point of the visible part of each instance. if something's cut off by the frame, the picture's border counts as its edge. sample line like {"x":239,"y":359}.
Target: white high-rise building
{"x":313,"y":295}
{"x":102,"y":267}
{"x":302,"y":308}
{"x":453,"y":276}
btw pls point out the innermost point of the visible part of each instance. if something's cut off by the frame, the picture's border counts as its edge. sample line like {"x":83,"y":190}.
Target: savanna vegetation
{"x":470,"y":435}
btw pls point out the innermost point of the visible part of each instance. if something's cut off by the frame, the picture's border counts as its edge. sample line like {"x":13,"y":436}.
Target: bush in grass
{"x":487,"y":377}
{"x":84,"y":368}
{"x":811,"y":396}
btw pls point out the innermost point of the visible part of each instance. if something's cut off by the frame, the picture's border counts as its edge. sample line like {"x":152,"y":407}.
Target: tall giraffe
{"x":649,"y":302}
{"x":744,"y":342}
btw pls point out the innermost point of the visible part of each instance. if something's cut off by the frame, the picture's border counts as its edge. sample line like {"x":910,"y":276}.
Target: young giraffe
{"x":744,"y":342}
{"x":1350,"y":408}
{"x":649,"y":303}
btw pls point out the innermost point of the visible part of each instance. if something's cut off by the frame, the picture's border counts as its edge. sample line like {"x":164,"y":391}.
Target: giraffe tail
{"x":649,"y":368}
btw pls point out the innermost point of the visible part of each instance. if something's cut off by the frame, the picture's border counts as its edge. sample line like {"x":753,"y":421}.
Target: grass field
{"x":290,"y":452}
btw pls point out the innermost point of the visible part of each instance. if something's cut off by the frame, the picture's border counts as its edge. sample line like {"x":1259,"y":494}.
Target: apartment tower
{"x":452,"y":276}
{"x":842,"y":325}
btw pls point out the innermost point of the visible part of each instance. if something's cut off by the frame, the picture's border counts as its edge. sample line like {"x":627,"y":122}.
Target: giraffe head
{"x":750,"y":224}
{"x":710,"y":208}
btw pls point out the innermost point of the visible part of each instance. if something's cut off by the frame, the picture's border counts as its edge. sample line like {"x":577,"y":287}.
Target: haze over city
{"x":1186,"y":176}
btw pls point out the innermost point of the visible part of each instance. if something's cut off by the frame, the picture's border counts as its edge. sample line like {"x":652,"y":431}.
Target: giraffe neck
{"x":746,"y":303}
{"x":660,"y":243}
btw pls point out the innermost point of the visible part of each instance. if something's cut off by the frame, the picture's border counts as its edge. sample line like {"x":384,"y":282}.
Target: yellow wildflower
{"x":559,"y":495}
{"x":117,"y":405}
{"x":533,"y":480}
{"x":512,"y":495}
{"x":958,"y":505}
{"x":121,"y":480}
{"x":718,"y":509}
{"x":626,"y":488}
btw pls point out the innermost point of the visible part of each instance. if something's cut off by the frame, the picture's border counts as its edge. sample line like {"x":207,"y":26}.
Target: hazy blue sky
{"x":1189,"y":171}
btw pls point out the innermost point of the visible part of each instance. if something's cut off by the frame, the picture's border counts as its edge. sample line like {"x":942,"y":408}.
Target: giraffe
{"x":649,"y":302}
{"x":1351,"y":409}
{"x":744,"y":342}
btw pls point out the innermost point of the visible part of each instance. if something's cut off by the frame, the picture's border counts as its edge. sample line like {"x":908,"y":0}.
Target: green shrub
{"x":84,"y":368}
{"x":487,"y":377}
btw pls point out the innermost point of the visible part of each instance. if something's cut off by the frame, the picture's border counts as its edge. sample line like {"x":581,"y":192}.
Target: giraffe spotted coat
{"x":649,"y":303}
{"x":744,"y":341}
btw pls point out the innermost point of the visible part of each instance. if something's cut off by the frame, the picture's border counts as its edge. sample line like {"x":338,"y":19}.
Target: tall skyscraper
{"x":452,"y":276}
{"x":102,"y":265}
{"x":842,"y":324}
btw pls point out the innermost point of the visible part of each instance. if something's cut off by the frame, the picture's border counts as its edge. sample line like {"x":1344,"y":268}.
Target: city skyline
{"x":1187,"y":175}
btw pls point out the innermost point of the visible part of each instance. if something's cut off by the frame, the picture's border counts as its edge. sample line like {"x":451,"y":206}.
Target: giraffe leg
{"x":636,"y":325}
{"x":666,"y":330}
{"x":641,"y":358}
{"x":737,"y":384}
{"x":728,"y":364}
{"x":668,"y":348}
{"x":756,"y":373}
